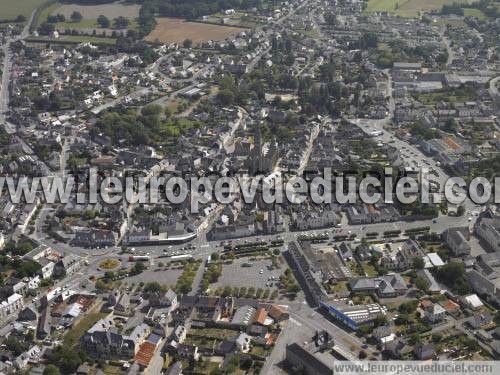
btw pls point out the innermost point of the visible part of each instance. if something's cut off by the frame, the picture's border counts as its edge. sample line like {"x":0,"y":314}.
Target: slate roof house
{"x":103,"y":340}
{"x":424,"y":351}
{"x":456,"y":240}
{"x":384,"y":286}
{"x":404,"y":258}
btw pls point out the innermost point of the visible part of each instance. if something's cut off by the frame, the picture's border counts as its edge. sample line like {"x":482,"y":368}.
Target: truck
{"x":181,"y":257}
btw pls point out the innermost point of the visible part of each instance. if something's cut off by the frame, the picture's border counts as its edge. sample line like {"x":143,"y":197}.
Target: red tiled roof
{"x":426,"y":303}
{"x":145,"y":353}
{"x":276,"y":311}
{"x":450,"y":305}
{"x":260,"y":316}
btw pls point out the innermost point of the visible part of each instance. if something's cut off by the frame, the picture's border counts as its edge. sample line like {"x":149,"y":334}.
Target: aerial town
{"x":206,"y":88}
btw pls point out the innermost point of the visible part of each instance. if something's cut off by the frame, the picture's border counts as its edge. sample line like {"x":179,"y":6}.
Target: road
{"x":447,"y":44}
{"x":6,"y":72}
{"x":493,"y":89}
{"x":304,"y":322}
{"x":412,"y":156}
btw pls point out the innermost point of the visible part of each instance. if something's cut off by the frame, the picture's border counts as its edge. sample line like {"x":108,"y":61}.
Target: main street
{"x":6,"y":73}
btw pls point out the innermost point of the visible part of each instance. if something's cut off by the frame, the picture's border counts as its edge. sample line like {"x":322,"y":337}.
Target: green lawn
{"x":45,"y":13}
{"x":90,"y":24}
{"x":218,"y":333}
{"x":470,"y":12}
{"x":339,"y":287}
{"x":407,"y":8}
{"x":110,"y":369}
{"x":10,"y":9}
{"x":433,"y":98}
{"x":83,"y":24}
{"x":89,"y":39}
{"x":74,"y":39}
{"x":75,"y":333}
{"x":369,"y":269}
{"x":176,"y":127}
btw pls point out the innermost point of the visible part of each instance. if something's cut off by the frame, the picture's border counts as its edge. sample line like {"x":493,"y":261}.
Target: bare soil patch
{"x":174,"y":30}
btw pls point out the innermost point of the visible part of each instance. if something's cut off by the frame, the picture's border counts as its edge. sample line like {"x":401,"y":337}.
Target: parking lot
{"x":235,"y":275}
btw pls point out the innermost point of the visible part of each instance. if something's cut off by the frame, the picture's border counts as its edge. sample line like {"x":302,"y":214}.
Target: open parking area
{"x":168,"y":276}
{"x":258,"y":275}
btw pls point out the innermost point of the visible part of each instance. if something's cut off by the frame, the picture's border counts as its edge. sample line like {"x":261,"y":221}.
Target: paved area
{"x":293,"y":332}
{"x":236,"y":275}
{"x":169,"y":276}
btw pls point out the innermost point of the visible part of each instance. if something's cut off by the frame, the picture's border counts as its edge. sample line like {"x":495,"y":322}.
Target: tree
{"x":26,"y":268}
{"x":121,"y":22}
{"x":415,"y":339}
{"x":460,"y":211}
{"x":76,"y":16}
{"x":51,"y":370}
{"x":380,"y":320}
{"x":214,"y":256}
{"x":152,"y":287}
{"x":226,"y":97}
{"x":452,"y":275}
{"x":276,"y":252}
{"x":101,"y":285}
{"x":188,"y":43}
{"x":362,"y":354}
{"x":151,"y":110}
{"x":421,"y":283}
{"x":20,"y":18}
{"x":138,"y":268}
{"x":450,"y":126}
{"x":251,"y":292}
{"x":293,"y":288}
{"x":418,"y":263}
{"x":436,"y":337}
{"x":46,"y":29}
{"x":497,"y":317}
{"x":408,"y":307}
{"x":369,"y":40}
{"x":103,"y":21}
{"x":15,"y":346}
{"x":66,"y":358}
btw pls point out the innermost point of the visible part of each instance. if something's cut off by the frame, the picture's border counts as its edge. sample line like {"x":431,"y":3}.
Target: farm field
{"x":10,"y":9}
{"x":406,"y":8}
{"x":174,"y":30}
{"x":90,"y":14}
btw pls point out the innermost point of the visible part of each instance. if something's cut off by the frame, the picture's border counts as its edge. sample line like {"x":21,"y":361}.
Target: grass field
{"x":174,"y":30}
{"x":90,"y":24}
{"x":45,"y":13}
{"x":111,"y":11}
{"x":10,"y":9}
{"x":469,"y":12}
{"x":74,"y":39}
{"x":74,"y":335}
{"x":90,"y":14}
{"x":407,"y":8}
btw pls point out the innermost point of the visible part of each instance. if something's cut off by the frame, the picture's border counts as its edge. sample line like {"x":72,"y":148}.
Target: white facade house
{"x":11,"y":305}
